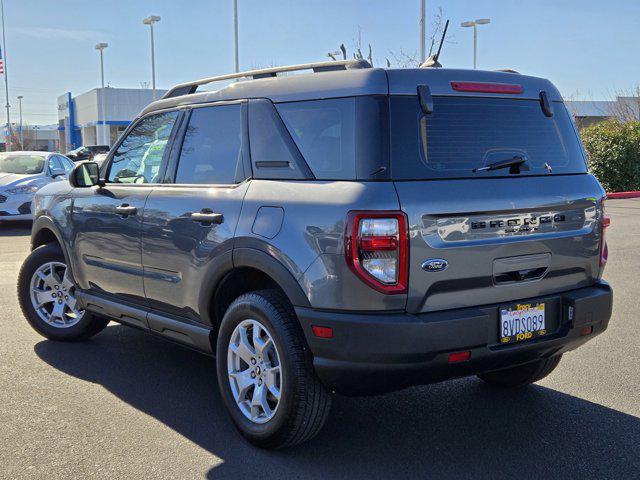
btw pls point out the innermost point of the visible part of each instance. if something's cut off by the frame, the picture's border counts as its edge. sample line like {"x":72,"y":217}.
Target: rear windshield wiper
{"x":513,"y":163}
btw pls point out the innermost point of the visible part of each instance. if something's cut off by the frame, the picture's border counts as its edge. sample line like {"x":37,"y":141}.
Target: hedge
{"x":613,"y":149}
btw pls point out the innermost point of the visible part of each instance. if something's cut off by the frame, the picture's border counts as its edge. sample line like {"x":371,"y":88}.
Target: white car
{"x":22,"y":174}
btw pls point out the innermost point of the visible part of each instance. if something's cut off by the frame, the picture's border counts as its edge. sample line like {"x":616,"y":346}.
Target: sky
{"x":588,"y":48}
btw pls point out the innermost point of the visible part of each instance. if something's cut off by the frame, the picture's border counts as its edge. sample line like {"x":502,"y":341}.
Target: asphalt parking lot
{"x":126,"y":405}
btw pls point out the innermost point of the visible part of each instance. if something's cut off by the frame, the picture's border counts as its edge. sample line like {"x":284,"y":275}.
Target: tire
{"x":303,"y":404}
{"x":522,"y":374}
{"x":67,"y":326}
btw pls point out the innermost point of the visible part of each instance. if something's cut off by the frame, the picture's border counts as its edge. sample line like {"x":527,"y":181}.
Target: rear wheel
{"x":522,"y":374}
{"x":266,"y":377}
{"x":46,"y":293}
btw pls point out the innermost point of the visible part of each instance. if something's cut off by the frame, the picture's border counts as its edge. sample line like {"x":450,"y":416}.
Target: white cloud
{"x":53,"y":33}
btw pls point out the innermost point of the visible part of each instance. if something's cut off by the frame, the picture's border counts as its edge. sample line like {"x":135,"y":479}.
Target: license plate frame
{"x":522,"y":322}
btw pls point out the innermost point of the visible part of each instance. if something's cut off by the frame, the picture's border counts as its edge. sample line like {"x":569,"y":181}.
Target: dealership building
{"x":80,"y":119}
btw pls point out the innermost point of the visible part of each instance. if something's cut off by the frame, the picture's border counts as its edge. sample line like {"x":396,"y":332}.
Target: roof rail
{"x":190,"y":87}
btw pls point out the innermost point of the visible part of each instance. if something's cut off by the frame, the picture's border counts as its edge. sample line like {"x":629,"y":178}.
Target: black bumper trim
{"x":377,"y":351}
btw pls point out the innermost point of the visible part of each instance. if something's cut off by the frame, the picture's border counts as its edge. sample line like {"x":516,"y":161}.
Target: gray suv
{"x":354,"y":230}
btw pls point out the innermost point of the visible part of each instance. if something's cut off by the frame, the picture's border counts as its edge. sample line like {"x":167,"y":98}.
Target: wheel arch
{"x":44,"y":231}
{"x":246,"y":269}
{"x":266,"y":263}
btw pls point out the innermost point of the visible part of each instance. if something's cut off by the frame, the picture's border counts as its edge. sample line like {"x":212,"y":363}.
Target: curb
{"x":632,"y":194}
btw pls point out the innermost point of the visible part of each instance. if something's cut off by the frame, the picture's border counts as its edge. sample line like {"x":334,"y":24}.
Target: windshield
{"x":21,"y":164}
{"x":467,"y":133}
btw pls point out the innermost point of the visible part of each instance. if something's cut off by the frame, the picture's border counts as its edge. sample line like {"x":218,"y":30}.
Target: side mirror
{"x":85,"y":174}
{"x":58,"y":172}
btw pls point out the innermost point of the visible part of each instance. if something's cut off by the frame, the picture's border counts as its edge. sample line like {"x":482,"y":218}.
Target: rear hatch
{"x":491,"y":236}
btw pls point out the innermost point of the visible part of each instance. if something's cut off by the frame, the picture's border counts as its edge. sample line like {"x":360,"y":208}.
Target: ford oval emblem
{"x":435,"y":265}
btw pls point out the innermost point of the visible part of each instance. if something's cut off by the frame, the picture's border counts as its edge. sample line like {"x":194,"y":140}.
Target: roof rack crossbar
{"x":190,"y":87}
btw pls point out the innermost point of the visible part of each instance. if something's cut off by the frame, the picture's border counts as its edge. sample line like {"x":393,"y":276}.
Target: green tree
{"x":613,"y":149}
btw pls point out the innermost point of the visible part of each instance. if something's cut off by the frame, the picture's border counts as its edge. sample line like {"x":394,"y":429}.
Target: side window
{"x":324,"y":131}
{"x":211,"y":152}
{"x":54,"y":164}
{"x":66,"y":164}
{"x":138,"y":158}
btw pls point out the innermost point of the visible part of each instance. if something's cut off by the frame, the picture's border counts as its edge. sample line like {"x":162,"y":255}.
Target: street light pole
{"x":474,"y":24}
{"x":150,"y":20}
{"x":20,"y":97}
{"x":475,"y":45}
{"x":423,"y":14}
{"x":235,"y":35}
{"x":101,"y":47}
{"x":7,"y":144}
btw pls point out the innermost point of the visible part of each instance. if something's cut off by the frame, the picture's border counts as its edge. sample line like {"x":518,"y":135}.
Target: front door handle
{"x":207,"y":217}
{"x":125,"y":210}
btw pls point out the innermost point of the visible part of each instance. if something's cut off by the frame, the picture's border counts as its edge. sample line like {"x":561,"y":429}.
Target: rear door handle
{"x":207,"y":217}
{"x":125,"y":210}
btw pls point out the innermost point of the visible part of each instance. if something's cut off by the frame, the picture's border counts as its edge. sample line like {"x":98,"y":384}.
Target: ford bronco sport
{"x":353,"y":229}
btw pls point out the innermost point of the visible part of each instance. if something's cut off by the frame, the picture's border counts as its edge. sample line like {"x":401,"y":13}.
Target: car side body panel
{"x":177,"y":251}
{"x":310,"y":241}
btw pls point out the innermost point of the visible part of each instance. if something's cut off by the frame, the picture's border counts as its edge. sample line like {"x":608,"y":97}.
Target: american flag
{"x":1,"y":63}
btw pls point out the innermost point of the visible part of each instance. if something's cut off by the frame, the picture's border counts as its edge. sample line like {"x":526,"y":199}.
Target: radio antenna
{"x":432,"y":61}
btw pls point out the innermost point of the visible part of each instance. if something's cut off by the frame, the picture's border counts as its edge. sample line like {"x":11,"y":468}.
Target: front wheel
{"x":265,"y":374}
{"x":46,"y":293}
{"x":522,"y":374}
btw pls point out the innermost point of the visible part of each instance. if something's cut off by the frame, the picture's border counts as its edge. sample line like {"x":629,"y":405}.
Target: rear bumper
{"x":376,"y":352}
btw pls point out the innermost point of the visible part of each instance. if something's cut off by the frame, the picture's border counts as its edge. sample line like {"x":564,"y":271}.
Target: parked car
{"x":354,"y":230}
{"x":22,"y":174}
{"x":87,"y":152}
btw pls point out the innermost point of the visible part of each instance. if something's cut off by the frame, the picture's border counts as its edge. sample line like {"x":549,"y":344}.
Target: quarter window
{"x":324,"y":131}
{"x":211,"y":152}
{"x":139,"y":156}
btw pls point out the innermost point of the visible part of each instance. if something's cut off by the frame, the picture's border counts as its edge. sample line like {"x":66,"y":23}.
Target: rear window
{"x":464,"y":133}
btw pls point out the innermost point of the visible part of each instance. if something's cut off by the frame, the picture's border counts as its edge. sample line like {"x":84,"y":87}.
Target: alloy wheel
{"x":254,"y":370}
{"x":53,"y":296}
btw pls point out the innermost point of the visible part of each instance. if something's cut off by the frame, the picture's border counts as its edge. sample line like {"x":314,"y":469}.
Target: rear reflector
{"x":586,"y":331}
{"x":378,"y":243}
{"x":322,"y":332}
{"x":456,"y":357}
{"x":605,"y":222}
{"x":483,"y":87}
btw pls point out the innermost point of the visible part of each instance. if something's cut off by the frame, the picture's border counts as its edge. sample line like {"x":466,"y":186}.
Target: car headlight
{"x":23,"y":189}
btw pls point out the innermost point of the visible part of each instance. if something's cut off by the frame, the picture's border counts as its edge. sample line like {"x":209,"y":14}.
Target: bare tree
{"x":625,"y":105}
{"x":621,"y":105}
{"x":403,"y":59}
{"x":357,"y":43}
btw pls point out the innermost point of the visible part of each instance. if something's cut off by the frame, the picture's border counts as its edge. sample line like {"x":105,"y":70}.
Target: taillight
{"x":605,"y":221}
{"x":377,"y":250}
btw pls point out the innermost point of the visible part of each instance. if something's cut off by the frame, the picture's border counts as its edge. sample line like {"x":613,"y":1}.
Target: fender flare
{"x":260,"y":260}
{"x":46,"y":223}
{"x":254,"y":258}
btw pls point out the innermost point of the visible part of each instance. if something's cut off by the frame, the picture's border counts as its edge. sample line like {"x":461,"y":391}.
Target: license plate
{"x":522,"y":322}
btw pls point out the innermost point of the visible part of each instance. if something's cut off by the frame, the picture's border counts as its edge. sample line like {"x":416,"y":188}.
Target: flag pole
{"x":6,"y":83}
